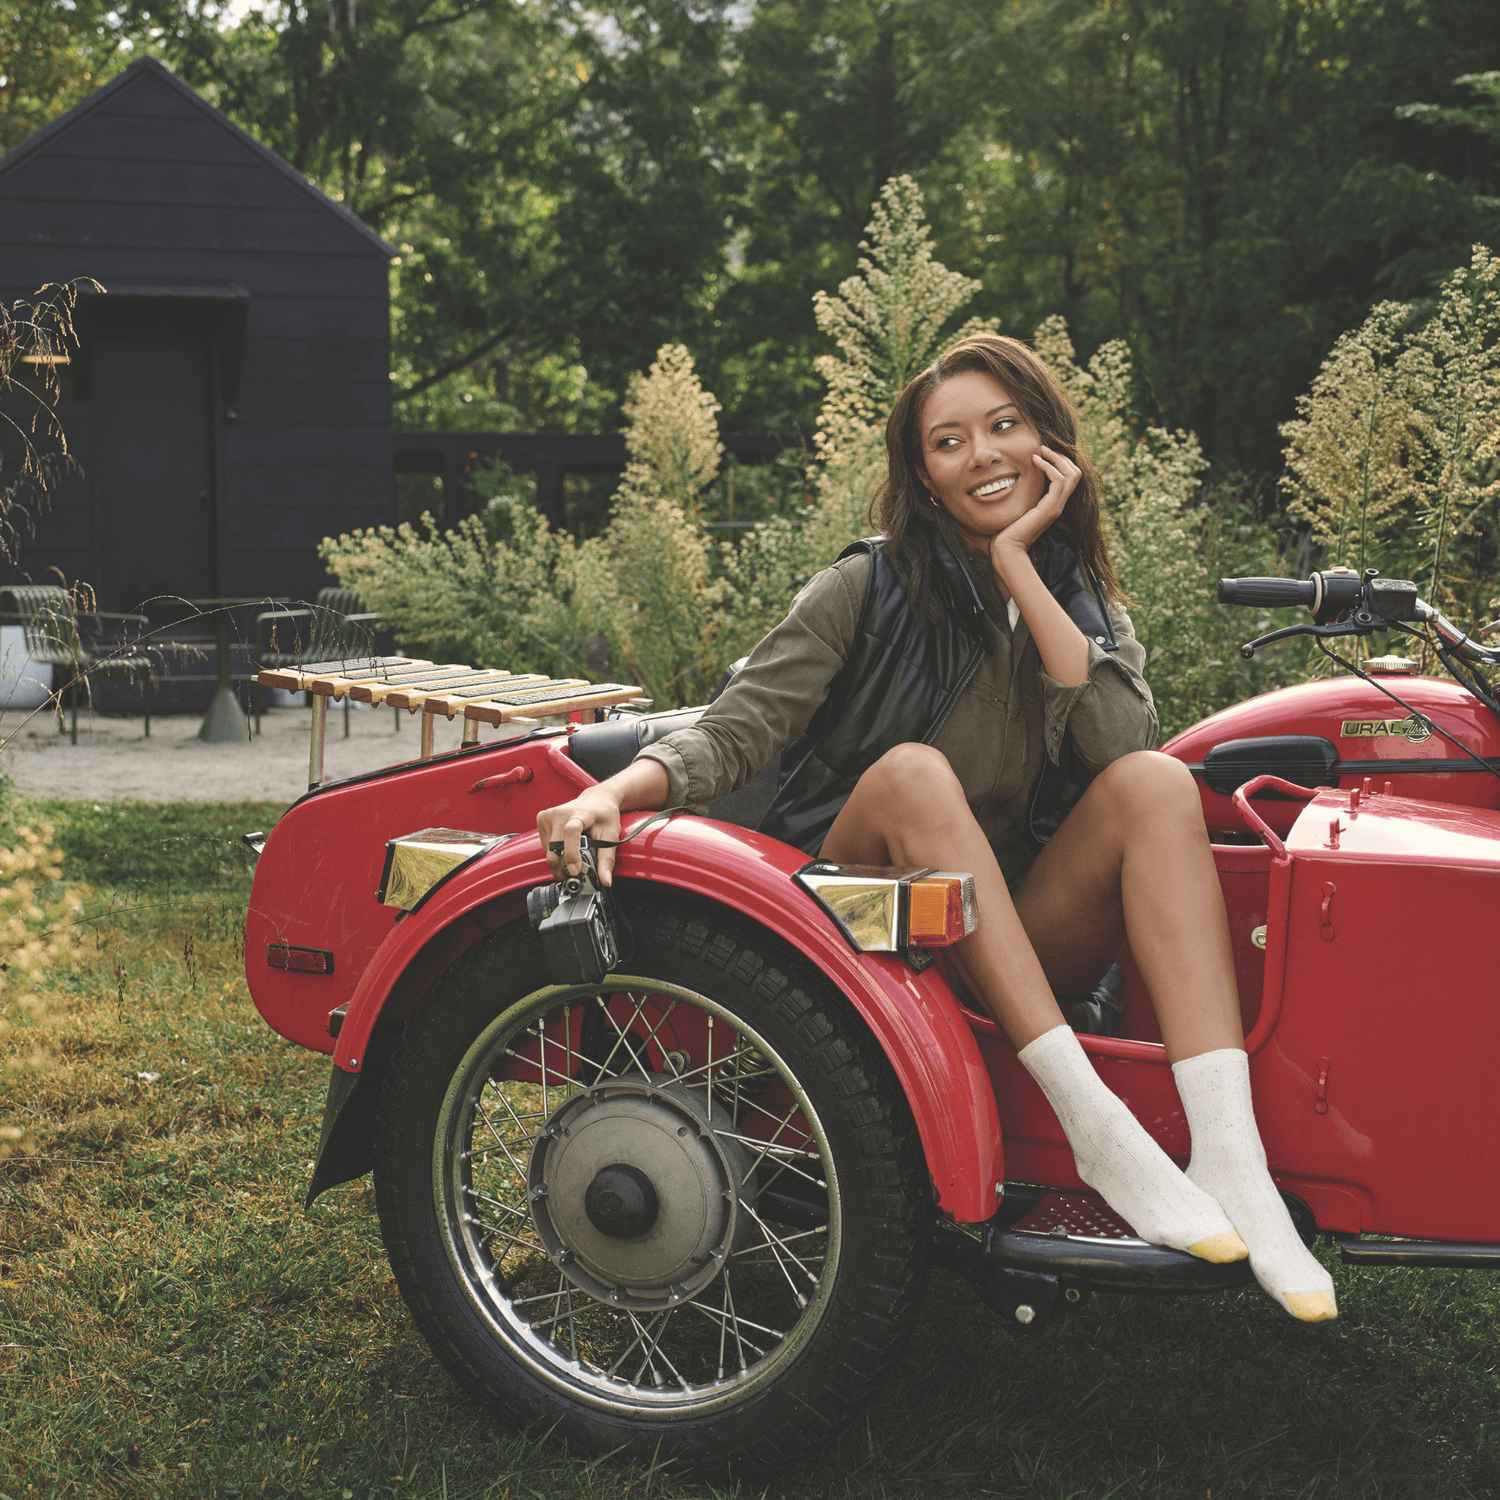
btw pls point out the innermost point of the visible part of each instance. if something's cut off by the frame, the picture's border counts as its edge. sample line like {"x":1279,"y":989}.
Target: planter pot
{"x":23,"y":682}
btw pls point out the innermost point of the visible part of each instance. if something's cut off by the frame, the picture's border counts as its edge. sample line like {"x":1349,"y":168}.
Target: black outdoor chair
{"x":336,"y":627}
{"x":84,"y":643}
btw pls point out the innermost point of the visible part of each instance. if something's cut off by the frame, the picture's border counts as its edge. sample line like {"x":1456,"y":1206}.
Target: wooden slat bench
{"x":477,"y":695}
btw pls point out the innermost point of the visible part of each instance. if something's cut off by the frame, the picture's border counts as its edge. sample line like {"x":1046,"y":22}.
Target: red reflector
{"x":299,"y":960}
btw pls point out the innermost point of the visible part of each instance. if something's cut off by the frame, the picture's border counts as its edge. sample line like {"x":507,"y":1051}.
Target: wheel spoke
{"x":531,"y":1062}
{"x":504,"y":1234}
{"x":784,"y":1240}
{"x":734,"y":1322}
{"x":651,"y":1037}
{"x":779,"y":1249}
{"x":504,"y":1208}
{"x":526,"y":1140}
{"x":622,"y":1036}
{"x":637,"y":1342}
{"x":760,"y":1155}
{"x":724,"y":1319}
{"x":500,"y":1142}
{"x":721,"y":1063}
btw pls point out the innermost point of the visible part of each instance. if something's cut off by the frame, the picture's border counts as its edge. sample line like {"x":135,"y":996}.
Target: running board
{"x":1110,"y":1265}
{"x":1458,"y":1254}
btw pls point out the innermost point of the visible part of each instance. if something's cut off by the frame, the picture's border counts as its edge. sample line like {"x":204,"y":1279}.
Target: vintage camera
{"x":577,"y":923}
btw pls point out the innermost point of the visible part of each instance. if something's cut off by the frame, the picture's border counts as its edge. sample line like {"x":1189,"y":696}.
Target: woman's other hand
{"x":1061,"y":475}
{"x":595,"y":812}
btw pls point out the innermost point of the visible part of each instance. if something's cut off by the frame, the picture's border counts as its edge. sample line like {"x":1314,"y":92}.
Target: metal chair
{"x":82,"y":642}
{"x":335,"y":627}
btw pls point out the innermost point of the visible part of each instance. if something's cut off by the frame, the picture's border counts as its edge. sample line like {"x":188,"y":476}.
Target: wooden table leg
{"x":315,"y":740}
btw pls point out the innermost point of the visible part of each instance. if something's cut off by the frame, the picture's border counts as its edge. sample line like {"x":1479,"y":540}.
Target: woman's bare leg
{"x":909,"y":809}
{"x":1133,"y":858}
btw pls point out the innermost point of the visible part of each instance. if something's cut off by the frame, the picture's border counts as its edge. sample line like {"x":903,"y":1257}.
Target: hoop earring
{"x":931,"y":500}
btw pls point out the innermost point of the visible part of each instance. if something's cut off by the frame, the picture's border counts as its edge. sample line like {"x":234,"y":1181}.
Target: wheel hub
{"x":635,"y":1197}
{"x":621,"y":1201}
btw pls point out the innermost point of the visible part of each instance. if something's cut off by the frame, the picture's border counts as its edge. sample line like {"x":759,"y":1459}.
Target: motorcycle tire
{"x":551,"y":1241}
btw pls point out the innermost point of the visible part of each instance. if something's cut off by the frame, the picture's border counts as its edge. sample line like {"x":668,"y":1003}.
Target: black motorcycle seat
{"x":605,"y":749}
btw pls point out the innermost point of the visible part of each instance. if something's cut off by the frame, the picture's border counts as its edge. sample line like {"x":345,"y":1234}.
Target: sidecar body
{"x":1359,"y":944}
{"x":685,"y":1209}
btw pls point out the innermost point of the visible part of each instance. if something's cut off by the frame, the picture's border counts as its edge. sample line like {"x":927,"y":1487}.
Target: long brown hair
{"x":915,"y":527}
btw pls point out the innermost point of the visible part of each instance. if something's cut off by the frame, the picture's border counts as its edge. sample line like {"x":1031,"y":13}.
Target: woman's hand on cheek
{"x":1062,"y":476}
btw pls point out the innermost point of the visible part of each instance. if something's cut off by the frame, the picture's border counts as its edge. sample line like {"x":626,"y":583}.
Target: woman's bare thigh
{"x":1070,"y":902}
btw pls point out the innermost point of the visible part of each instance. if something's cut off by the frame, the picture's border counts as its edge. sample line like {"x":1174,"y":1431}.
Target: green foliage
{"x":1168,"y":542}
{"x":674,"y":608}
{"x":52,"y":54}
{"x":461,"y":596}
{"x":647,"y":579}
{"x":1394,"y":458}
{"x":500,"y":489}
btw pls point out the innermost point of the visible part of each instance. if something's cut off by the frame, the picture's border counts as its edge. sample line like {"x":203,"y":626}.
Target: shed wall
{"x":152,"y":189}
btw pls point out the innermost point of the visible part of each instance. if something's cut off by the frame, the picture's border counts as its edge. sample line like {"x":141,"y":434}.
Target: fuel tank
{"x":1337,"y":733}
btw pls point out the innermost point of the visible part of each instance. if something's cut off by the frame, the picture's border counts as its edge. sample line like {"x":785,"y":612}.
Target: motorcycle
{"x":666,"y":1165}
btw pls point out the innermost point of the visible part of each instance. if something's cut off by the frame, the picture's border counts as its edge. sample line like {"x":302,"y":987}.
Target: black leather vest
{"x":903,"y":676}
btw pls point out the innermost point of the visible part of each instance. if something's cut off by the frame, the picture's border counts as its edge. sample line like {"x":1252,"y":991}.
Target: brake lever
{"x":1340,"y":628}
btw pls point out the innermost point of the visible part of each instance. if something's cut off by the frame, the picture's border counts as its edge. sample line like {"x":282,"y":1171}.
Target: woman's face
{"x":976,"y":455}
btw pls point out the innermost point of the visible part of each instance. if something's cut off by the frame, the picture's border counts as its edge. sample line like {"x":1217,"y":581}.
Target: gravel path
{"x":113,"y":761}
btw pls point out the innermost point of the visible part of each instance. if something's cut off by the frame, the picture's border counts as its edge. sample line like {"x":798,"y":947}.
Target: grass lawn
{"x":173,"y":1324}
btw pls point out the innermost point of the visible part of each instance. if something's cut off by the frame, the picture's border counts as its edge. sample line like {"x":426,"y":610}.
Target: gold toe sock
{"x":1311,"y":1307}
{"x":1223,"y":1248}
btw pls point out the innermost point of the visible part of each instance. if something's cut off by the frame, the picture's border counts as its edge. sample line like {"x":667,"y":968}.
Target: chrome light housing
{"x":416,"y":863}
{"x":881,"y":909}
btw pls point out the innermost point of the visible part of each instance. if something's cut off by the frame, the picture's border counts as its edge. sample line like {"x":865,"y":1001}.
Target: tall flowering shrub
{"x":1393,"y":458}
{"x":672,"y":608}
{"x":37,"y":916}
{"x":647,"y":581}
{"x":1168,"y":547}
{"x":886,"y":322}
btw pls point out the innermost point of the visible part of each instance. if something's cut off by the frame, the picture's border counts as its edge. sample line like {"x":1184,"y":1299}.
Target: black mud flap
{"x":346,"y":1150}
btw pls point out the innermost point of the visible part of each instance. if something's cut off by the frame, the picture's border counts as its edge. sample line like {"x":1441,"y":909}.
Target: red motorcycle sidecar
{"x":687,"y":1209}
{"x":690,"y":1204}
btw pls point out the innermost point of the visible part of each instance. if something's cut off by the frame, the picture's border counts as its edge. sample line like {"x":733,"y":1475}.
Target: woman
{"x":934,"y":687}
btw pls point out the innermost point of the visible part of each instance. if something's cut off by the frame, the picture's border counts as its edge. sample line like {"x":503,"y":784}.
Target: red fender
{"x":914,"y":1017}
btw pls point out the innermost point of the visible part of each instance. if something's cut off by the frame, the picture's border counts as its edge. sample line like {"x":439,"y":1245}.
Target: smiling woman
{"x":965,"y":692}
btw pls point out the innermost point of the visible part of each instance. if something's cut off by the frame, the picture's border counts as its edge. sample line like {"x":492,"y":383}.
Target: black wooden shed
{"x":230,"y":401}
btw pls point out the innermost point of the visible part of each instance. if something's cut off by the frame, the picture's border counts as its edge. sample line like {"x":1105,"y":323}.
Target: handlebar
{"x":1359,"y":603}
{"x":1275,"y":593}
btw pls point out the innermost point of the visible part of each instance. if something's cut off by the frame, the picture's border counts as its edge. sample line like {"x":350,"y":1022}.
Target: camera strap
{"x":556,"y":846}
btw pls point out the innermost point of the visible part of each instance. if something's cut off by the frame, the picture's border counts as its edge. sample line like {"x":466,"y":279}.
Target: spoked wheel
{"x":681,"y":1210}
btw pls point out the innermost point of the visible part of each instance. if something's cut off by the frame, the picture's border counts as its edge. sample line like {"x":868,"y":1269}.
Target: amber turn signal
{"x":883,"y":909}
{"x":941,"y":910}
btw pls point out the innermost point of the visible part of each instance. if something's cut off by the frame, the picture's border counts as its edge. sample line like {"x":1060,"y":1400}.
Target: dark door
{"x":151,"y":460}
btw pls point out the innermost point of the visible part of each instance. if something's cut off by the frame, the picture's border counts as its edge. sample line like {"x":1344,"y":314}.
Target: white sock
{"x":1119,"y":1160}
{"x":1229,"y":1163}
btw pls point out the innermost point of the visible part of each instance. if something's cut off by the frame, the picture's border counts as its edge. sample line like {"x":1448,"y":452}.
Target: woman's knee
{"x":1151,"y":782}
{"x":914,"y":771}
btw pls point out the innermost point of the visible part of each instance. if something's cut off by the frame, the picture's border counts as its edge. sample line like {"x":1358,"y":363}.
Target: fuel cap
{"x":1390,"y":666}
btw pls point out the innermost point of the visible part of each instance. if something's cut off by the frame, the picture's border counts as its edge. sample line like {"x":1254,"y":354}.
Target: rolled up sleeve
{"x":1111,"y":712}
{"x":771,"y":699}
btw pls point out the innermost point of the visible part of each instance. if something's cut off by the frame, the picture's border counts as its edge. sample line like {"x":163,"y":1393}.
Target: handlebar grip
{"x":1278,"y":593}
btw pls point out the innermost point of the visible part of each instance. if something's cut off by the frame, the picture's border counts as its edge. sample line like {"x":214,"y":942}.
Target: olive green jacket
{"x":1010,"y":716}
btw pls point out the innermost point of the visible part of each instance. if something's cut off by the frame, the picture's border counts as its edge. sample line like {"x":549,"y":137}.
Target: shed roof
{"x":149,"y":66}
